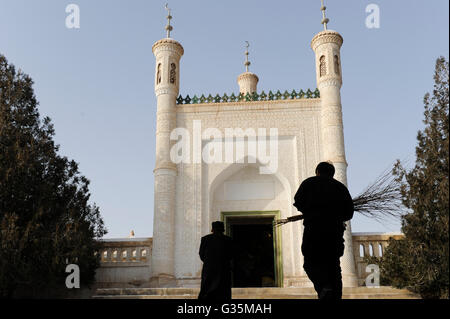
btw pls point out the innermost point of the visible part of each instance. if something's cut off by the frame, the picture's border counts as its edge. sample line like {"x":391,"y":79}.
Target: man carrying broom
{"x":326,"y":205}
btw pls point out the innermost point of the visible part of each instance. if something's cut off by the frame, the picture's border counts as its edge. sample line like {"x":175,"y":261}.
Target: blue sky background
{"x":96,"y":83}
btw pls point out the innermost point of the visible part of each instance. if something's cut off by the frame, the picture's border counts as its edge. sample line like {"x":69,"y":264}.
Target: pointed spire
{"x":325,"y":20}
{"x":247,"y":62}
{"x":169,"y":17}
{"x":247,"y":81}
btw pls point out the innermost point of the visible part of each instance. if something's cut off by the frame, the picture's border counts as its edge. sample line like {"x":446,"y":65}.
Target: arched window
{"x":380,"y":250}
{"x":370,"y":249}
{"x":336,"y":64}
{"x":158,"y":74}
{"x":323,"y":66}
{"x":361,"y":250}
{"x":173,"y":73}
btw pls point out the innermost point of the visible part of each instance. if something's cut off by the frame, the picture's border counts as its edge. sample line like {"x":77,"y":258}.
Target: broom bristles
{"x":381,"y":201}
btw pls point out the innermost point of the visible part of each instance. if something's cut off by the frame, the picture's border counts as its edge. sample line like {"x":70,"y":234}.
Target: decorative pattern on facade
{"x":173,"y":73}
{"x":158,"y":74}
{"x":328,"y":36}
{"x":336,"y":64}
{"x":322,"y":66}
{"x":249,"y":97}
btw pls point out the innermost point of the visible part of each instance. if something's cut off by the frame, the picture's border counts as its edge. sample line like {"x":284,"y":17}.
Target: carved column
{"x":168,"y":53}
{"x":326,"y":45}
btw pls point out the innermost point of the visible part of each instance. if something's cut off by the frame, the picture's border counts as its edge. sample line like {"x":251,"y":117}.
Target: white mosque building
{"x":238,"y":158}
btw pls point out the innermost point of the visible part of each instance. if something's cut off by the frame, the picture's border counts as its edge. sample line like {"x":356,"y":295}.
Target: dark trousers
{"x":325,"y":274}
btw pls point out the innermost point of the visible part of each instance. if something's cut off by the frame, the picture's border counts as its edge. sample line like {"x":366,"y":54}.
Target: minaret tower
{"x":247,"y":81}
{"x":326,"y":45}
{"x":167,"y":78}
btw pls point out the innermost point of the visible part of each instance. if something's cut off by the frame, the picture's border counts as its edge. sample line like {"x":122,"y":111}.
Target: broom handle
{"x":295,"y":218}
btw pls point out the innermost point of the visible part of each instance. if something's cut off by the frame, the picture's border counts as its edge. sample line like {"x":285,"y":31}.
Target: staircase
{"x":251,"y":293}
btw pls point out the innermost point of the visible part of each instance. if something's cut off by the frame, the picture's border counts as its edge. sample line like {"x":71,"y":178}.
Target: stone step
{"x":360,"y":296}
{"x":251,"y":293}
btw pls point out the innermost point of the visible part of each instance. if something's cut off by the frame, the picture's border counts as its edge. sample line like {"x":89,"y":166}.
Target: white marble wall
{"x":202,"y":188}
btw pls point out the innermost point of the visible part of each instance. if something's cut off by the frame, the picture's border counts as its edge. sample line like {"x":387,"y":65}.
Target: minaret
{"x":167,"y":76}
{"x":247,"y":81}
{"x":326,"y":45}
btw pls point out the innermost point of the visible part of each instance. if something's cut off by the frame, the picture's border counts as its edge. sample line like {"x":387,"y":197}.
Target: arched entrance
{"x":248,"y":202}
{"x":258,"y":256}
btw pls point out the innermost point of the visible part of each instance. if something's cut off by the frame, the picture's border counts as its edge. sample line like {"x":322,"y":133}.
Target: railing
{"x":249,"y":97}
{"x":369,"y":244}
{"x":124,"y":262}
{"x":124,"y":251}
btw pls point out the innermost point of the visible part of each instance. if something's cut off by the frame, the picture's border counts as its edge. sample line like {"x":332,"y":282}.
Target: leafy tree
{"x":45,"y":218}
{"x":420,"y":261}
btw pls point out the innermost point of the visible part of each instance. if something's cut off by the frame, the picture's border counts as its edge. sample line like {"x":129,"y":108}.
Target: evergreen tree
{"x":420,"y":261}
{"x":45,"y":218}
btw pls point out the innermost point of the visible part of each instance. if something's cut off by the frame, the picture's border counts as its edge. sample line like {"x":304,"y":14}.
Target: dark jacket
{"x":325,"y":204}
{"x":216,"y":252}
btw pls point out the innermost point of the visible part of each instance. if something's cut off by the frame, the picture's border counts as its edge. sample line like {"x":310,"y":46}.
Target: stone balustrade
{"x":369,"y":244}
{"x":125,"y":262}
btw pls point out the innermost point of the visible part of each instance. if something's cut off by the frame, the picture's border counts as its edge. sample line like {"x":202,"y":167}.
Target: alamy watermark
{"x":73,"y":17}
{"x":73,"y":279}
{"x":373,"y":19}
{"x":212,"y":146}
{"x":373,"y":279}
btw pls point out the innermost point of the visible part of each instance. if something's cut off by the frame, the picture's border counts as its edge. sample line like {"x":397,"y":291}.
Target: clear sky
{"x":96,"y":82}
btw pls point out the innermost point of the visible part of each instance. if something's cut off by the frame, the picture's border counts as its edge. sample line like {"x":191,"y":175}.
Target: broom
{"x":381,"y":200}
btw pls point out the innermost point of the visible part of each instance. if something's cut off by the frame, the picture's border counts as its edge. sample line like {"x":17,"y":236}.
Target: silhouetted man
{"x":326,"y":204}
{"x":216,"y":252}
